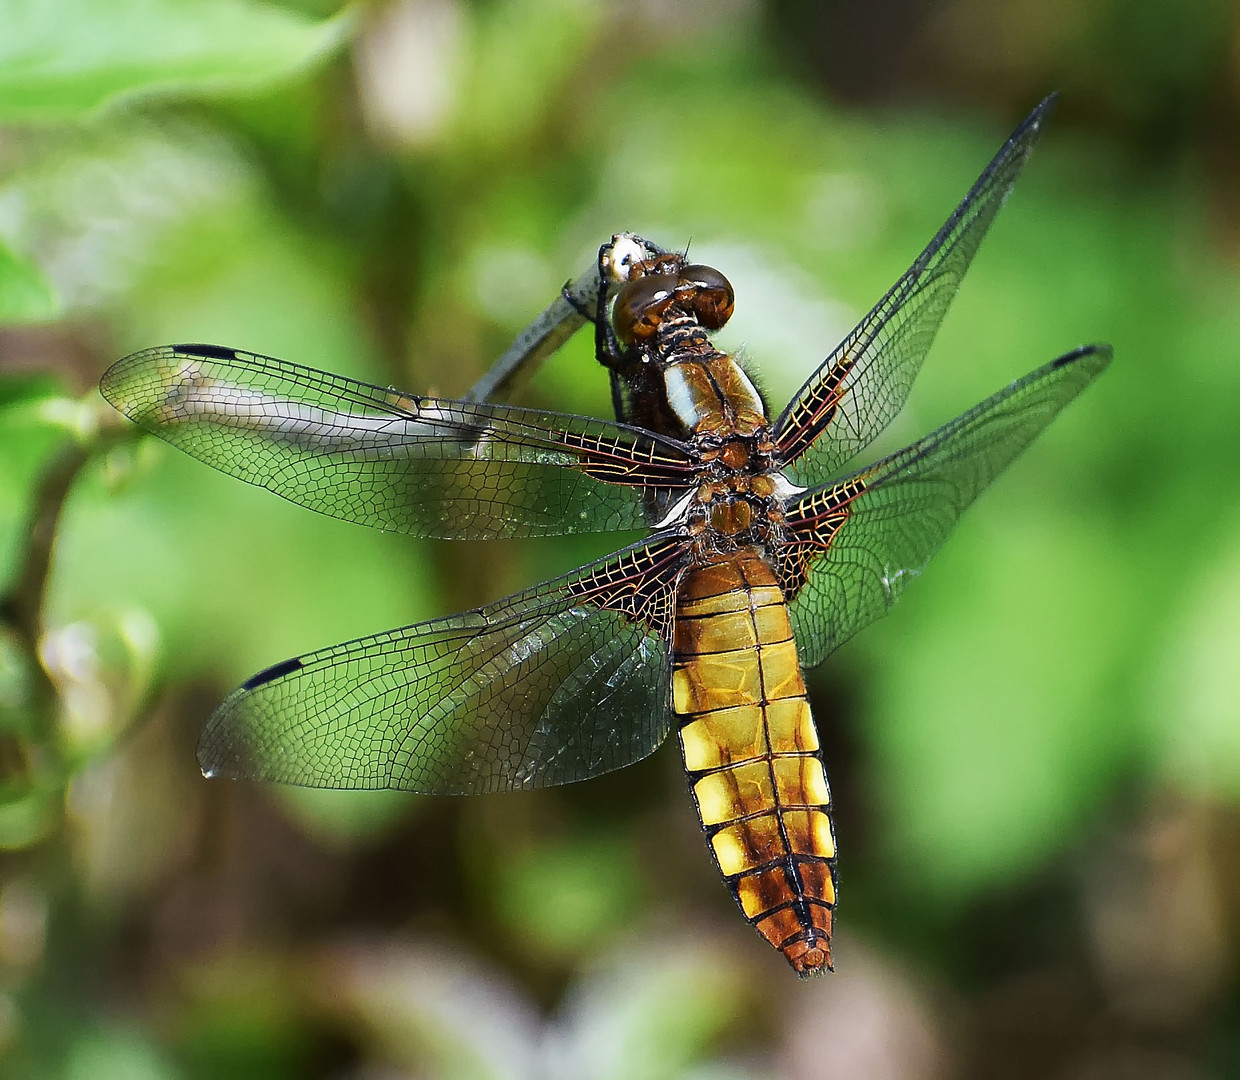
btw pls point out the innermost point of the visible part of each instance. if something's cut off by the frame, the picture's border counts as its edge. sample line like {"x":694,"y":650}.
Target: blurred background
{"x":1036,"y":757}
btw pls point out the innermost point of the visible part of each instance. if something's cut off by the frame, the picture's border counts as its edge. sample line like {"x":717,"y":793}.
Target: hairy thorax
{"x":678,"y":383}
{"x":738,"y":503}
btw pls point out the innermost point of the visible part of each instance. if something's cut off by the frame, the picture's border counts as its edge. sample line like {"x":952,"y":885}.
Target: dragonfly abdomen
{"x":750,"y":750}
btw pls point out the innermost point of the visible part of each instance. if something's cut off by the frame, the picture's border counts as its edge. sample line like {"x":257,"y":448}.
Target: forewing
{"x":422,"y":466}
{"x":856,"y":544}
{"x":859,"y":388}
{"x":559,"y":683}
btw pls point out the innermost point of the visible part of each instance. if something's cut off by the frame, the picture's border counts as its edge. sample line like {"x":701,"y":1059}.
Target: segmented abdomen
{"x":750,"y":749}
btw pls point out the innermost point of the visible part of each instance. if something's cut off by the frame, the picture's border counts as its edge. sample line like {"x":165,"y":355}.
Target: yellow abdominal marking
{"x":749,"y":746}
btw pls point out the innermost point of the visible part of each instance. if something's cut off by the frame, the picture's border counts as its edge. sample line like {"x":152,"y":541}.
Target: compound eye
{"x":710,"y":297}
{"x":640,"y":305}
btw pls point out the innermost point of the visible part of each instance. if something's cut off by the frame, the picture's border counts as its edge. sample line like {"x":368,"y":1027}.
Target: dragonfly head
{"x":644,"y":301}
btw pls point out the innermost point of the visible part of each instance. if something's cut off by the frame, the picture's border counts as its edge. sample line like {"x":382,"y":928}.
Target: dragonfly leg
{"x":582,"y":300}
{"x":582,"y":305}
{"x":562,"y":318}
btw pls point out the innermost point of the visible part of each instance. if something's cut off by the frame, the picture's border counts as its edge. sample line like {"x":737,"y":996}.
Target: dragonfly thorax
{"x":739,"y":502}
{"x":725,"y":520}
{"x":662,"y":314}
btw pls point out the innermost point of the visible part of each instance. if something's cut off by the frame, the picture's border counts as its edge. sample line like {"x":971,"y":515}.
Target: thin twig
{"x":22,"y":602}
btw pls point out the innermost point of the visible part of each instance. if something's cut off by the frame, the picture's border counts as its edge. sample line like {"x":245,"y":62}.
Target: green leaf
{"x":24,"y":294}
{"x":61,"y":59}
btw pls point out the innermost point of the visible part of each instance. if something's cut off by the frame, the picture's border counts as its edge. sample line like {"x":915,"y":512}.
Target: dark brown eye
{"x":710,"y":296}
{"x":640,"y":305}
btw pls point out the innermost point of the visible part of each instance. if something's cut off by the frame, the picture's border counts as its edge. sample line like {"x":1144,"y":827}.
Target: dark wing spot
{"x":276,"y":671}
{"x":208,"y":352}
{"x":1074,"y":355}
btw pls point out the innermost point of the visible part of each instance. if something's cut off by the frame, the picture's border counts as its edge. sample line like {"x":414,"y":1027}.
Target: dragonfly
{"x":761,"y":553}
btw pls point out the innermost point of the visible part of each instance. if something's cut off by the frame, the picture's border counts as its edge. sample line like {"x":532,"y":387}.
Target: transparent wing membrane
{"x":857,"y":544}
{"x":368,"y":454}
{"x":562,"y":682}
{"x":859,"y":388}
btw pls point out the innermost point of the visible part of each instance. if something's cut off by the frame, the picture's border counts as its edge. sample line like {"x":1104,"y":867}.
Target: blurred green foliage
{"x":62,"y":61}
{"x":1036,"y":757}
{"x":27,"y":297}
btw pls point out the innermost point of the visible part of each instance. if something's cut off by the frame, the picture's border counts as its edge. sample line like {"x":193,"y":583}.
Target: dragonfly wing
{"x":859,"y":388}
{"x":856,"y":544}
{"x":562,"y":682}
{"x":369,"y":454}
